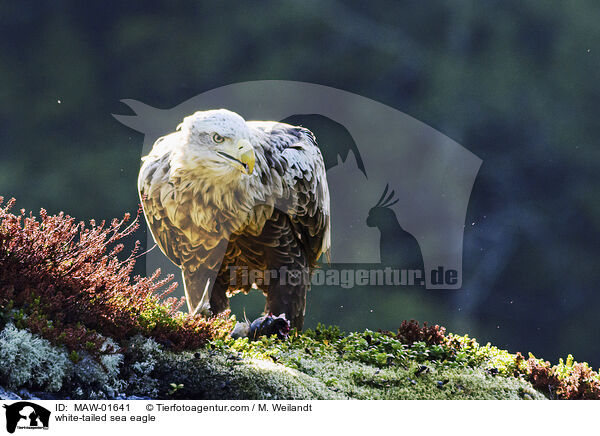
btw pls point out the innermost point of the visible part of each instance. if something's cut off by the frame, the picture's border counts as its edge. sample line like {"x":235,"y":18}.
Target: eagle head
{"x":217,"y":143}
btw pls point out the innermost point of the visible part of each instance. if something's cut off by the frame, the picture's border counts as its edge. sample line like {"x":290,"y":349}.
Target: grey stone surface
{"x":8,"y":395}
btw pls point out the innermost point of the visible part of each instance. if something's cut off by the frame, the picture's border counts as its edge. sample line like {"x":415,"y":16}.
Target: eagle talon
{"x":204,"y":310}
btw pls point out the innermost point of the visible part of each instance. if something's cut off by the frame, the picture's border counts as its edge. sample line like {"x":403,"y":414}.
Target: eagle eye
{"x":218,"y":138}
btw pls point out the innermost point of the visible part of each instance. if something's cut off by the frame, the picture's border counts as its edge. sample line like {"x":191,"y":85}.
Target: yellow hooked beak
{"x":241,"y":154}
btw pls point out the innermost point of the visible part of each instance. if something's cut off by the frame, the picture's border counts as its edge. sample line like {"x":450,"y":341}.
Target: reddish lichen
{"x":410,"y":332}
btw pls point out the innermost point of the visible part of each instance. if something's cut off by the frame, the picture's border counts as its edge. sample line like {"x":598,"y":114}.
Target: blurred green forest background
{"x":515,"y":82}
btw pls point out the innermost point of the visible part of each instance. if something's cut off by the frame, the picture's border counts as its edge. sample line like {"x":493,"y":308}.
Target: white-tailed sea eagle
{"x":225,"y":196}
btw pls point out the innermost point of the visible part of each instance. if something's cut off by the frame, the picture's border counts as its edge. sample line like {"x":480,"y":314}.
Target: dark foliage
{"x":568,"y":380}
{"x":64,"y":281}
{"x":410,"y":332}
{"x":576,"y":381}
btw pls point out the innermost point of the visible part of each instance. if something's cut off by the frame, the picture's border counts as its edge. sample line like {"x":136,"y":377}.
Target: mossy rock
{"x":272,"y":369}
{"x":218,"y":375}
{"x":322,"y":365}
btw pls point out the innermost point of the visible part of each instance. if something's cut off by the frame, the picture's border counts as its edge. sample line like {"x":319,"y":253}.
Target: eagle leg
{"x":285,"y":296}
{"x":197,"y":285}
{"x":219,"y":302}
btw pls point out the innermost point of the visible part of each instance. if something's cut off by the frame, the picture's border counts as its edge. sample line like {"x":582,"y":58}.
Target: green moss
{"x":319,"y":364}
{"x":326,"y":364}
{"x":371,"y":365}
{"x":220,"y":374}
{"x":74,"y":356}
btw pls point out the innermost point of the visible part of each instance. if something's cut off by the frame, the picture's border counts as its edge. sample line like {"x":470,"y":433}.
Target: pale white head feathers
{"x":214,"y":144}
